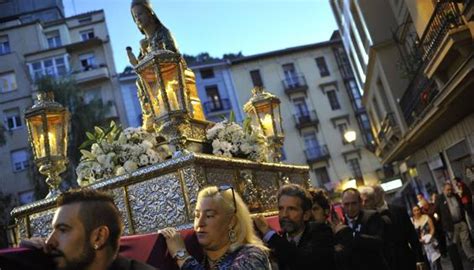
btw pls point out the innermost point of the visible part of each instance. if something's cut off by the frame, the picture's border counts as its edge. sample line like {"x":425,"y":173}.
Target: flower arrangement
{"x":115,"y":152}
{"x":229,"y":139}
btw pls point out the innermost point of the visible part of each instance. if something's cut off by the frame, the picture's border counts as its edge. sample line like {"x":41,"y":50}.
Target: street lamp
{"x":47,"y":123}
{"x":350,"y":136}
{"x":263,"y":108}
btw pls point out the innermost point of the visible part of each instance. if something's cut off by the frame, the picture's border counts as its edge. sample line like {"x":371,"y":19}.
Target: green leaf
{"x":86,"y":144}
{"x":247,"y":125}
{"x":232,"y":117}
{"x":87,"y":154}
{"x":90,"y":135}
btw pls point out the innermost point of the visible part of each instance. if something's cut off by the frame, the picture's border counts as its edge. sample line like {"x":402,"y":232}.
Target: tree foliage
{"x":205,"y":57}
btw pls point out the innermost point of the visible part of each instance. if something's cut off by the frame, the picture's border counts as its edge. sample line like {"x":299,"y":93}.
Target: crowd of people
{"x":368,"y":233}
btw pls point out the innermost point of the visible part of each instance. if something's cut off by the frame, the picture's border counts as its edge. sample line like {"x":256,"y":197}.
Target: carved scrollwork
{"x":40,"y":223}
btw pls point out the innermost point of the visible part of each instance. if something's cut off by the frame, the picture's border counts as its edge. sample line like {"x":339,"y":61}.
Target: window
{"x":87,"y":61}
{"x":26,"y":197}
{"x":313,"y":149}
{"x":4,"y":45}
{"x":20,"y":160}
{"x":323,"y":68}
{"x":355,"y":167}
{"x":7,"y":82}
{"x":355,"y":95}
{"x":87,"y":34}
{"x":342,"y":129}
{"x":207,"y":73}
{"x":53,"y":38}
{"x":53,"y":67}
{"x":300,"y":107}
{"x":333,"y":101}
{"x":12,"y":119}
{"x":291,"y":78}
{"x":214,"y":99}
{"x":256,"y":78}
{"x":322,"y":175}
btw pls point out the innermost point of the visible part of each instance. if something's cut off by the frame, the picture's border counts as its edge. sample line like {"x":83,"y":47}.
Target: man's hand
{"x":35,"y":243}
{"x":261,"y":224}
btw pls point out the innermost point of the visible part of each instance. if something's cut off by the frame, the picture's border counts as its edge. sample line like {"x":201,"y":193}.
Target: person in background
{"x":429,"y":208}
{"x":293,"y":246}
{"x":86,"y":232}
{"x":466,"y":196}
{"x":451,"y":214}
{"x":426,"y":234}
{"x":321,"y":231}
{"x":367,"y":229}
{"x":224,"y":230}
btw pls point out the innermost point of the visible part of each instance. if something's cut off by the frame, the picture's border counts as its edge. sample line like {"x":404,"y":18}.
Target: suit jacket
{"x":444,"y":214}
{"x":366,"y":248}
{"x":315,"y":248}
{"x":402,"y":247}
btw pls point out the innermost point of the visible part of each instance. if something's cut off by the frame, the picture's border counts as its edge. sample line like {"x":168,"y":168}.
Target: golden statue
{"x":158,"y":38}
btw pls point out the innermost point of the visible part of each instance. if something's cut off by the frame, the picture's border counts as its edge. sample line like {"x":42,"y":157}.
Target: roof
{"x":285,"y":51}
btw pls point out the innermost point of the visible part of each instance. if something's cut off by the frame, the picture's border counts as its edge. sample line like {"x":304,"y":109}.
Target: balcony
{"x":315,"y":154}
{"x":296,"y":84}
{"x":440,"y":92}
{"x":308,"y":119}
{"x":388,"y":135}
{"x":92,"y":73}
{"x":217,"y":106}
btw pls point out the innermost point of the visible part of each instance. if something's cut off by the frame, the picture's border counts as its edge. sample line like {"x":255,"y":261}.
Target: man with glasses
{"x":295,"y":247}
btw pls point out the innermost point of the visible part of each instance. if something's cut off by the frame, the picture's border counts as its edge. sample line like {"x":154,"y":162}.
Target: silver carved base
{"x":165,"y":194}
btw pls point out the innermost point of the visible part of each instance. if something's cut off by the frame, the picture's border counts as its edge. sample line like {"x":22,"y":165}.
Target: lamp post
{"x":161,"y":78}
{"x":263,"y":108}
{"x":48,"y":123}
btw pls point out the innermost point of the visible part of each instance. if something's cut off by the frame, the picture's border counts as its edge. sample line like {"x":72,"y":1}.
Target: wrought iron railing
{"x":306,"y":118}
{"x":316,"y":153}
{"x":294,"y":82}
{"x":446,"y":16}
{"x":216,"y":106}
{"x":421,"y":91}
{"x":387,"y":124}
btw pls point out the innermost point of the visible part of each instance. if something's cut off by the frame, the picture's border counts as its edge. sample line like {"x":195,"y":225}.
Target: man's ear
{"x":307,"y":215}
{"x":99,"y":236}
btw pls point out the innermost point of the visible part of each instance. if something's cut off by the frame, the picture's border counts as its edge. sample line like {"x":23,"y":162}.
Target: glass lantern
{"x":48,"y":123}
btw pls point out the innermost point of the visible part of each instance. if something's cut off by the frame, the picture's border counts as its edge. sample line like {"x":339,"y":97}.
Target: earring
{"x":96,"y":247}
{"x":232,"y":235}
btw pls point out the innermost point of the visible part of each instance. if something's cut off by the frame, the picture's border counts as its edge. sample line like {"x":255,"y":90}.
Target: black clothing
{"x":122,"y":263}
{"x":402,"y":247}
{"x":366,"y":248}
{"x":444,"y":214}
{"x":315,"y":248}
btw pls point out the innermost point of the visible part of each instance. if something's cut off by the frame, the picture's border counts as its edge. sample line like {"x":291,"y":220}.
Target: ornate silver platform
{"x":165,"y":194}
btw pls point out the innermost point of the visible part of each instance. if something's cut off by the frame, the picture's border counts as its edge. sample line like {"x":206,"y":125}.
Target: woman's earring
{"x":232,"y":236}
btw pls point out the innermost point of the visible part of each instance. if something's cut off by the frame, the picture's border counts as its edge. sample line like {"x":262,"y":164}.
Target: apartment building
{"x":320,"y":101}
{"x":77,"y":46}
{"x":418,"y":86}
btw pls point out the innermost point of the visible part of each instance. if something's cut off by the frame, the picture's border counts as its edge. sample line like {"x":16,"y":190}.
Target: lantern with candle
{"x":47,"y":123}
{"x":263,"y":108}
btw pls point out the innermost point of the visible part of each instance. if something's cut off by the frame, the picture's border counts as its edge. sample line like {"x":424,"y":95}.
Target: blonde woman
{"x":224,"y":230}
{"x":426,"y":231}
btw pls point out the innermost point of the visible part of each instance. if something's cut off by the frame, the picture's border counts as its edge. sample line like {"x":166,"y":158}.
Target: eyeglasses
{"x":226,"y":187}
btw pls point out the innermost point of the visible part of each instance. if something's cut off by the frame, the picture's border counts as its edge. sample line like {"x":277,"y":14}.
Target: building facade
{"x":418,"y":88}
{"x":77,"y":46}
{"x":320,"y":101}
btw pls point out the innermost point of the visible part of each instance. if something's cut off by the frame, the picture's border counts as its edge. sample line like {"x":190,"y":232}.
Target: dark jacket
{"x":402,"y":247}
{"x":315,"y":248}
{"x":122,"y":263}
{"x":444,"y":214}
{"x":366,"y":248}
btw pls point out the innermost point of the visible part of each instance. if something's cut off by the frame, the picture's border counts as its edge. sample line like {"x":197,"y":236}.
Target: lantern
{"x":263,"y":108}
{"x":47,"y":123}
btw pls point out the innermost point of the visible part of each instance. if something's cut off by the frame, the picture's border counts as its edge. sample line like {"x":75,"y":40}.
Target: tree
{"x":84,"y":116}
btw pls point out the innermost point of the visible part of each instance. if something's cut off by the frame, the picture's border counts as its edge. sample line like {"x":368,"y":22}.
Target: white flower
{"x":96,"y":150}
{"x":119,"y":170}
{"x":143,"y":160}
{"x":130,"y":166}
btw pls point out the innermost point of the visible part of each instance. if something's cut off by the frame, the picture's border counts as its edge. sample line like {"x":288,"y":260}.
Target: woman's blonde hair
{"x":244,"y":226}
